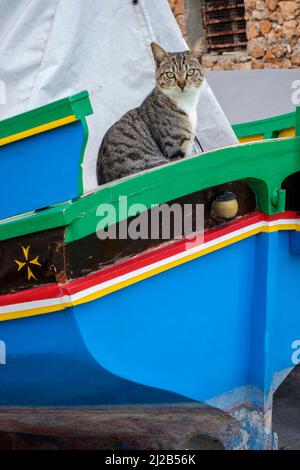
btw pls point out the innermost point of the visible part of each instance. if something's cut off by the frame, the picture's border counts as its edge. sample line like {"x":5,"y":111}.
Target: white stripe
{"x":34,"y":304}
{"x":103,"y":285}
{"x":158,"y":264}
{"x":170,"y":259}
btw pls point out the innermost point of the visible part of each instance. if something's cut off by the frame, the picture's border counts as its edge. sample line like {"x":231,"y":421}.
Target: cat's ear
{"x":198,"y":48}
{"x":158,"y":52}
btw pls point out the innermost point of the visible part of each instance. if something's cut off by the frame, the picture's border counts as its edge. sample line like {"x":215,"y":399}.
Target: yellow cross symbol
{"x":28,"y":262}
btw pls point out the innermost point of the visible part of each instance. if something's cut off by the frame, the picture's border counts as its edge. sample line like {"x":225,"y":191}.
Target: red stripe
{"x":139,"y":261}
{"x":29,"y":295}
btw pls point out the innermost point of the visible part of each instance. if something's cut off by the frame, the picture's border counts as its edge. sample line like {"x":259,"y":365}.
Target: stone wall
{"x":178,"y":8}
{"x":230,"y":61}
{"x":273,"y":31}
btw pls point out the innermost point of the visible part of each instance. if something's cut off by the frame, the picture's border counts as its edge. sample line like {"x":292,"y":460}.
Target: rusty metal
{"x":224,"y":6}
{"x":224,"y":33}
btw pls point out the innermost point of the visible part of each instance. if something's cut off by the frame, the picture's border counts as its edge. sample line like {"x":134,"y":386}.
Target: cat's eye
{"x":190,"y":72}
{"x":170,"y":74}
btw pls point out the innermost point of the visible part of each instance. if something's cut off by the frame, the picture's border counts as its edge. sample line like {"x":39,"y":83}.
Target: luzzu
{"x":203,"y":329}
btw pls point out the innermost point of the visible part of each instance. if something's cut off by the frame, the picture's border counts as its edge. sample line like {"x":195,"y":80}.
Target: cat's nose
{"x":181,"y":85}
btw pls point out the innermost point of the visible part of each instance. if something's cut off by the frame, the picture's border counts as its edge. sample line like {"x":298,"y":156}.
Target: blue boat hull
{"x":218,"y":329}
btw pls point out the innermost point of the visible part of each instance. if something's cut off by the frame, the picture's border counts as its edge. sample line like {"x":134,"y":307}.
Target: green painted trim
{"x":269,"y":127}
{"x":85,"y":141}
{"x":46,"y":219}
{"x":78,"y":105}
{"x":298,"y":121}
{"x":250,"y":162}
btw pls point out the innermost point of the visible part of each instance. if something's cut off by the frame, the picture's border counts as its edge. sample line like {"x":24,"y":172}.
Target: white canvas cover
{"x":50,"y":49}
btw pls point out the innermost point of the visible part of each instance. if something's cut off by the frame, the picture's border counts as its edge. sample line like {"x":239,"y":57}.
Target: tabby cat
{"x":162,"y":129}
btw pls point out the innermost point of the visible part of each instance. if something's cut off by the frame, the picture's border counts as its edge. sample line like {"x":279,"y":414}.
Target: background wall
{"x":273,"y":33}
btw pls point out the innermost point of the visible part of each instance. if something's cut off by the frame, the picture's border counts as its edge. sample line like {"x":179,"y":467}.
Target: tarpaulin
{"x":53,"y":48}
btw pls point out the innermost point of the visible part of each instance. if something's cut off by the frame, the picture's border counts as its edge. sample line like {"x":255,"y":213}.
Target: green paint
{"x":264,"y":165}
{"x":85,"y":141}
{"x":46,"y":219}
{"x":250,"y":162}
{"x":270,"y":127}
{"x":298,"y":121}
{"x":78,"y":105}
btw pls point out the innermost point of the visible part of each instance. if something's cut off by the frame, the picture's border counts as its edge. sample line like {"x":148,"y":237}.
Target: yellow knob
{"x":225,"y":206}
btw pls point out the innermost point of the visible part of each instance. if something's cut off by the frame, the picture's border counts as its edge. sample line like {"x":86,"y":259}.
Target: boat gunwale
{"x":249,"y":162}
{"x":154,"y":261}
{"x":77,"y":105}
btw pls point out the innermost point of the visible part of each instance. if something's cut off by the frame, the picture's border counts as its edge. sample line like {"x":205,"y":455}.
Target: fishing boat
{"x":200,"y":331}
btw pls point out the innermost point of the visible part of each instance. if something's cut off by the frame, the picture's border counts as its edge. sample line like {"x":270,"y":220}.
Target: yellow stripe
{"x":33,"y":312}
{"x":287,"y":133}
{"x":178,"y":262}
{"x":252,"y":138}
{"x":37,"y":130}
{"x":145,"y":275}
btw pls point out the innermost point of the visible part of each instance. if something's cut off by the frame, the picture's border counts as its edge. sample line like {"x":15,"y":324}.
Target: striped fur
{"x":162,"y":128}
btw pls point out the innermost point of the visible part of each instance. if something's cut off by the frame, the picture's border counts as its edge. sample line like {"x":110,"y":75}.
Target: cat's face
{"x":179,"y":73}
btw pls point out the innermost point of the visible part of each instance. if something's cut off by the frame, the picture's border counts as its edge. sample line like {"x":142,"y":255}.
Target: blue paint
{"x":40,"y":171}
{"x":48,"y":364}
{"x":264,"y":310}
{"x":295,"y":243}
{"x":191,"y":334}
{"x":287,"y":319}
{"x":185,"y":330}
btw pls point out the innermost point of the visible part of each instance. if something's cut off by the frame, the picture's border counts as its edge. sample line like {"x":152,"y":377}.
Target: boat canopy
{"x":49,"y":50}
